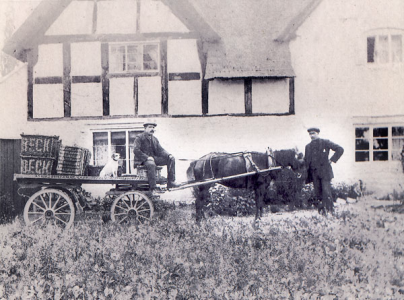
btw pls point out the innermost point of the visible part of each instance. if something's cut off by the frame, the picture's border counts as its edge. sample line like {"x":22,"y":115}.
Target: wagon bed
{"x":60,"y":197}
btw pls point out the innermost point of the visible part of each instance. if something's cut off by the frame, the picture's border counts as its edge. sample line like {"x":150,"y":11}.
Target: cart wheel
{"x":133,"y":207}
{"x":49,"y":206}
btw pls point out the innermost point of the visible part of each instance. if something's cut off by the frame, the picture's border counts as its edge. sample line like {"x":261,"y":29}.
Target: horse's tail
{"x":190,"y":171}
{"x":191,"y":177}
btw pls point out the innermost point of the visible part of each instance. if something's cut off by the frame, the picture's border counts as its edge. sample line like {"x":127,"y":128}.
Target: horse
{"x":219,"y":165}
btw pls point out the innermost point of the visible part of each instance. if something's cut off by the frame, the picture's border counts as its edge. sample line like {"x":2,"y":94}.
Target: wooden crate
{"x":72,"y":160}
{"x":36,"y":165}
{"x":39,"y":145}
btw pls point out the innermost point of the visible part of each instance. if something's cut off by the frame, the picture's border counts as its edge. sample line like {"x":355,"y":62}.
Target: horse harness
{"x":250,"y":164}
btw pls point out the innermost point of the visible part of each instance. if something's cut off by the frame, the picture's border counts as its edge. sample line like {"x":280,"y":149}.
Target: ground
{"x":356,"y":254}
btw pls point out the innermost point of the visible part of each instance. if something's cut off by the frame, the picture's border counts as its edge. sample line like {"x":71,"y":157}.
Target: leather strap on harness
{"x":249,"y":163}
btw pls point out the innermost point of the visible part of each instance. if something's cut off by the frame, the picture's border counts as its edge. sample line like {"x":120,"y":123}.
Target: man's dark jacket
{"x":317,"y":161}
{"x":145,"y":146}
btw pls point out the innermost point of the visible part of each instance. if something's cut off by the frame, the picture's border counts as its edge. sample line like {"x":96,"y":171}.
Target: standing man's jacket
{"x":317,"y":161}
{"x":145,"y":146}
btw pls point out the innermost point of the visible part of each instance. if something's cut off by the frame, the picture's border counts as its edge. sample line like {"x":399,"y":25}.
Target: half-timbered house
{"x":228,"y":75}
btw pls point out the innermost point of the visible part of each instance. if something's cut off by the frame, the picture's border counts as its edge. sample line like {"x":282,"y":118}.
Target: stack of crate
{"x":72,"y":160}
{"x":38,"y":154}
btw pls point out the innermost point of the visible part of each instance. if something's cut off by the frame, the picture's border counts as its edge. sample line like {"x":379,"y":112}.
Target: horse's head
{"x":293,"y":159}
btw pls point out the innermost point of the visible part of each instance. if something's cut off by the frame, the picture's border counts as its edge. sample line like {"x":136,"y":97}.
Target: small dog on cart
{"x":111,"y":168}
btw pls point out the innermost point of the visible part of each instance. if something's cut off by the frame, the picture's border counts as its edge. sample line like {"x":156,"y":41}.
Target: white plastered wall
{"x":334,"y":83}
{"x":184,"y":97}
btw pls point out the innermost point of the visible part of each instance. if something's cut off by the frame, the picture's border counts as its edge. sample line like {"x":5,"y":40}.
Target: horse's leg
{"x":200,"y":202}
{"x":259,"y":200}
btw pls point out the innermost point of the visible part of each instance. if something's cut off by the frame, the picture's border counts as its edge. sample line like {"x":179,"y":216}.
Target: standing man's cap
{"x":314,"y":129}
{"x":149,"y":123}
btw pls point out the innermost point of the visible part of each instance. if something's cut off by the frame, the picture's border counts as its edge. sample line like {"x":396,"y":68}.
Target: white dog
{"x":111,"y":168}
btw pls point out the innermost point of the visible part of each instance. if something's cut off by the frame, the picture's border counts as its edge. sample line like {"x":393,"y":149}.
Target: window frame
{"x":373,"y":40}
{"x":128,"y":147}
{"x":371,"y":138}
{"x":128,"y":44}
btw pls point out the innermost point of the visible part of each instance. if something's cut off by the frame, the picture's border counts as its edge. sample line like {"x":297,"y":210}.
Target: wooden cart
{"x":60,"y":197}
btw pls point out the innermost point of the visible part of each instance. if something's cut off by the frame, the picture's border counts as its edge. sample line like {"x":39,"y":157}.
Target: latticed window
{"x":105,"y":143}
{"x":382,"y":143}
{"x":385,"y":48}
{"x":130,"y":58}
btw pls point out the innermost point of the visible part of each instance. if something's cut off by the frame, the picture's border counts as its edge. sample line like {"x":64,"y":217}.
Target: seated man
{"x":148,"y":152}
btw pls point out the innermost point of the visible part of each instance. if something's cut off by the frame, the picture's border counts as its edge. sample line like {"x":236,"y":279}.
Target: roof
{"x":243,"y":38}
{"x":254,"y":36}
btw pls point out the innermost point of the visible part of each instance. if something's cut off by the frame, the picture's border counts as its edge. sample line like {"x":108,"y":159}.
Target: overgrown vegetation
{"x":7,"y":209}
{"x":240,"y":202}
{"x":301,"y":255}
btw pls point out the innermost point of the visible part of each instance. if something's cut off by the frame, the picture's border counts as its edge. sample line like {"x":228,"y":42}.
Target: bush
{"x":231,"y":202}
{"x":7,"y":209}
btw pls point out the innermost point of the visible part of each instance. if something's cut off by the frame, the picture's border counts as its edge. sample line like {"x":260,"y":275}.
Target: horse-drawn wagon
{"x":58,"y":198}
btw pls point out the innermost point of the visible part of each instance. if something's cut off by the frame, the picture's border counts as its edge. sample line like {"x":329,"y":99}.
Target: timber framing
{"x":292,"y":95}
{"x":67,"y":81}
{"x":184,"y":76}
{"x":77,"y":38}
{"x":164,"y":77}
{"x":105,"y":78}
{"x":248,"y":96}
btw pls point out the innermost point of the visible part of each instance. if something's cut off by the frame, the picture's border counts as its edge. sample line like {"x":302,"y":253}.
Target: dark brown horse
{"x":218,"y":165}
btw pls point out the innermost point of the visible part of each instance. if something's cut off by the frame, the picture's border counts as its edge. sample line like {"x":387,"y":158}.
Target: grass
{"x":299,"y":255}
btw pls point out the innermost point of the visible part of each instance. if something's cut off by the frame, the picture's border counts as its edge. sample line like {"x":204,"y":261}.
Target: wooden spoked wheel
{"x":49,"y":206}
{"x":132,"y":207}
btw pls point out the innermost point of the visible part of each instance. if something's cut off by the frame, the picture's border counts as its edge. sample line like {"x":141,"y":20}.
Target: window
{"x":378,"y":143}
{"x":107,"y":142}
{"x":385,"y":48}
{"x":362,"y":144}
{"x":131,"y":58}
{"x":397,"y":142}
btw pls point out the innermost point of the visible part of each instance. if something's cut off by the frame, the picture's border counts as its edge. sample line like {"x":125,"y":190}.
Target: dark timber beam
{"x":292,"y":95}
{"x":248,"y":96}
{"x":67,"y":82}
{"x":133,"y":37}
{"x":204,"y":82}
{"x":164,"y":77}
{"x":104,"y":78}
{"x":32,"y":58}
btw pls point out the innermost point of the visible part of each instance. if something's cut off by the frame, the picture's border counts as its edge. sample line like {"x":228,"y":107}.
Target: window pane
{"x":118,"y":141}
{"x":362,"y":144}
{"x":117,"y":59}
{"x":396,"y":48}
{"x":380,"y":144}
{"x":362,"y":132}
{"x":100,"y":148}
{"x":132,"y":135}
{"x":380,"y":155}
{"x":383,"y":49}
{"x":398,"y":131}
{"x":362,"y":156}
{"x":134,"y":58}
{"x":150,"y":57}
{"x":380,"y":132}
{"x":371,"y":49}
{"x":397,"y":147}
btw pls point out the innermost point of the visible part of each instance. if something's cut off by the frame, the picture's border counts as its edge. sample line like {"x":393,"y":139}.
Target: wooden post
{"x":32,"y":59}
{"x":104,"y":78}
{"x":67,"y":83}
{"x":164,"y":77}
{"x":292,"y":95}
{"x":204,"y":82}
{"x":248,"y":96}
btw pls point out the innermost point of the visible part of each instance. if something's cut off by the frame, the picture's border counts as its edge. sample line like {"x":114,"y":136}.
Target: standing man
{"x":148,"y":152}
{"x":319,"y":168}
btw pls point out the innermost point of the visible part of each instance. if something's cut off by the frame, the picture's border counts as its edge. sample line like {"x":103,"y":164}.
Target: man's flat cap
{"x":314,"y":129}
{"x":149,"y":123}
